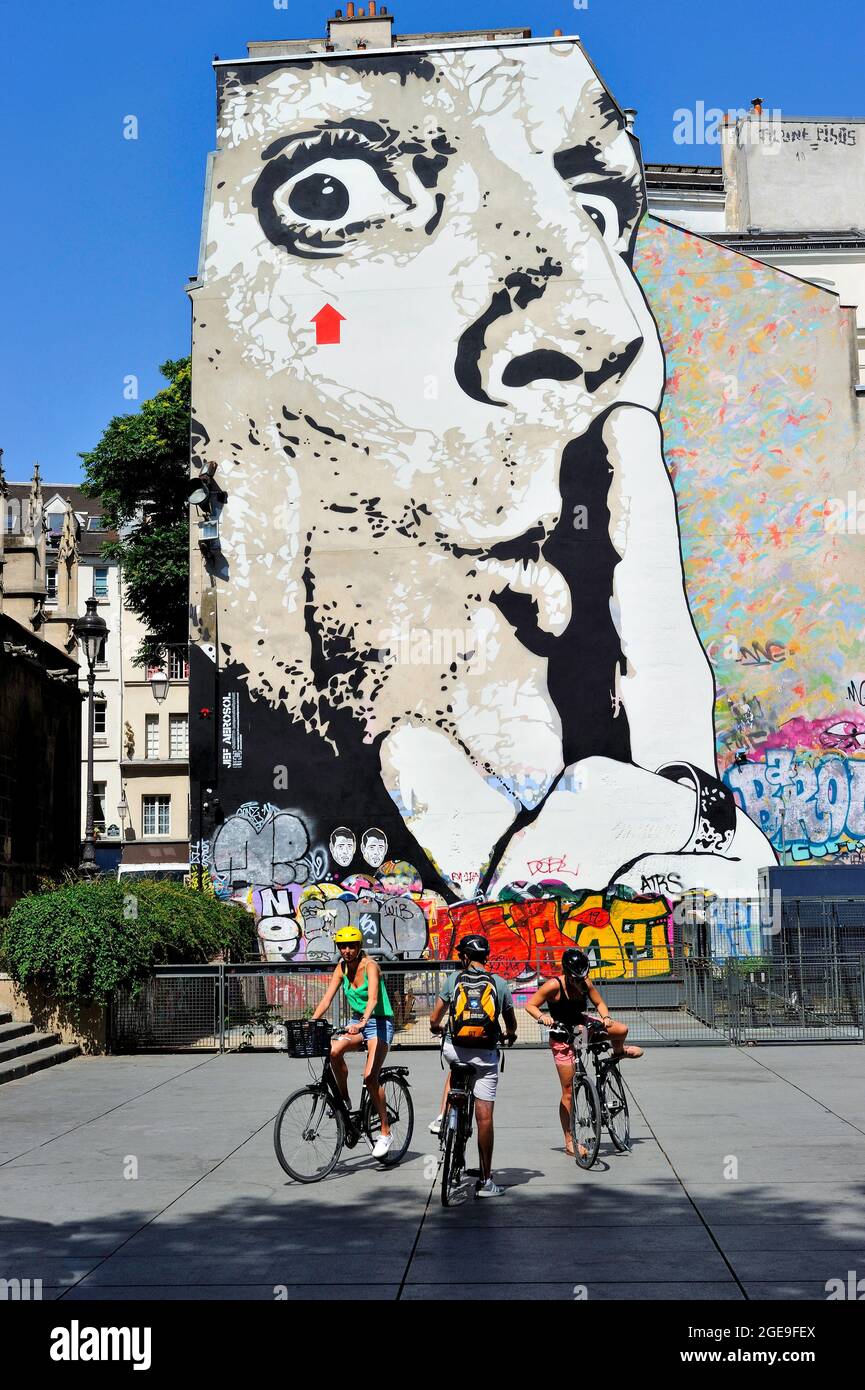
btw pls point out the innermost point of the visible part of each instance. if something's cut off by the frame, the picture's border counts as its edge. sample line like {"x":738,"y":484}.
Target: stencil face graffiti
{"x":472,"y":216}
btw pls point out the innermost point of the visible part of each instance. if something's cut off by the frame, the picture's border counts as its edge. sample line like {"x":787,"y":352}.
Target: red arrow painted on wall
{"x":327,"y":322}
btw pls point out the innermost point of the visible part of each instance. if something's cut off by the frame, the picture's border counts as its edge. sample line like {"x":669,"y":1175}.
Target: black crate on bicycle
{"x":307,"y":1037}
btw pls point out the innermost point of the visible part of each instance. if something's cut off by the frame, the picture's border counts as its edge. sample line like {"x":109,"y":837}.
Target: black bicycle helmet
{"x":474,"y":948}
{"x":576,"y":962}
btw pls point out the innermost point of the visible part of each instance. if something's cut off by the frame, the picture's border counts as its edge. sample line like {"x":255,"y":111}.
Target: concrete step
{"x":15,"y":1030}
{"x":35,"y":1061}
{"x":5,"y":1017}
{"x":19,"y":1047}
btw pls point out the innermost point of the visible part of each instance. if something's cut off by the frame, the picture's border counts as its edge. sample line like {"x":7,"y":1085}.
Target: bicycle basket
{"x":306,"y":1037}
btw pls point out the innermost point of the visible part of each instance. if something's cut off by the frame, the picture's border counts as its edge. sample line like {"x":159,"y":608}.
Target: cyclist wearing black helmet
{"x":568,"y":997}
{"x":481,"y":1054}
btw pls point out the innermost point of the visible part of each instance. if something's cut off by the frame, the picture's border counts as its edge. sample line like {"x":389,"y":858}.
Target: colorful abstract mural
{"x":763,"y":443}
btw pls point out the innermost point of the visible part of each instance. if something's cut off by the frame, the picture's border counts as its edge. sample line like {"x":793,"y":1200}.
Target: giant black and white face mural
{"x":453,"y":601}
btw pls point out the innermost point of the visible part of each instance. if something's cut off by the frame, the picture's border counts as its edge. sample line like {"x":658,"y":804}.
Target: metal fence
{"x":771,"y":925}
{"x":704,"y":1001}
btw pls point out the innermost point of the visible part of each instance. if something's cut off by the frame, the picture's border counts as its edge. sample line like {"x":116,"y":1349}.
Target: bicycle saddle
{"x":461,"y":1073}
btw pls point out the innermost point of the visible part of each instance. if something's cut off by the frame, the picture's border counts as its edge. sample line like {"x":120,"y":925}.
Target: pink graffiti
{"x":836,"y":731}
{"x":551,"y":864}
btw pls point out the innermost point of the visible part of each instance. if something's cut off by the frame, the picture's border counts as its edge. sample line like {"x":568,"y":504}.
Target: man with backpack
{"x":474,"y":1000}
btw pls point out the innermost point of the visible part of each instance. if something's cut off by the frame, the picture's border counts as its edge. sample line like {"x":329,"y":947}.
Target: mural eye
{"x":603,"y":213}
{"x":334,"y":194}
{"x":319,"y":197}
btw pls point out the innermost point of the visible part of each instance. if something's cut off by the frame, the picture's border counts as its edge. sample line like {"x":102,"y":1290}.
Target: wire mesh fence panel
{"x":792,"y":997}
{"x":797,"y":999}
{"x":259,"y":997}
{"x":175,"y":1012}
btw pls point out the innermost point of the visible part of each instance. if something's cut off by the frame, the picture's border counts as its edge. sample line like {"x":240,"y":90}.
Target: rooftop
{"x":371,"y":27}
{"x":86,"y":509}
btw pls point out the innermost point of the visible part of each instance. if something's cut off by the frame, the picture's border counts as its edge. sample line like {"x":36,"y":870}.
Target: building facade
{"x":40,"y":719}
{"x":521,"y":603}
{"x":52,"y":542}
{"x":154,"y":765}
{"x":53,"y":537}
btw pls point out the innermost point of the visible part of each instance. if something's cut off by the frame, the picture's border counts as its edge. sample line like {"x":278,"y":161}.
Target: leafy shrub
{"x":84,"y":940}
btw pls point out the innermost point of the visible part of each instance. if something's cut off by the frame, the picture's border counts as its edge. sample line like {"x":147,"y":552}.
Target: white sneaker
{"x":488,"y":1189}
{"x":435,"y":1126}
{"x":382,"y":1147}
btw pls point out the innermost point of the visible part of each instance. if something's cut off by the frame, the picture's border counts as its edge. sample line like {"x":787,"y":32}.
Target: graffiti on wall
{"x":521,"y":562}
{"x":805,"y":787}
{"x":528,"y":926}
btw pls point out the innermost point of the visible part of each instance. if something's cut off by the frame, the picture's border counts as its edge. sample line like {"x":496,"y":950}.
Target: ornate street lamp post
{"x":91,"y":631}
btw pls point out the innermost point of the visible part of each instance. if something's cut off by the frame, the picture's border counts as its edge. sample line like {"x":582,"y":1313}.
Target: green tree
{"x":140,"y":471}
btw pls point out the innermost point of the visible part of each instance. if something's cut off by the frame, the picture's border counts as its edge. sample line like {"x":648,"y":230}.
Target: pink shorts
{"x":563,"y":1053}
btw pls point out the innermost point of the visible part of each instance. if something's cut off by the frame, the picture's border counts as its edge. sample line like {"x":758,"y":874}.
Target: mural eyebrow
{"x":625,"y":191}
{"x":370,"y":130}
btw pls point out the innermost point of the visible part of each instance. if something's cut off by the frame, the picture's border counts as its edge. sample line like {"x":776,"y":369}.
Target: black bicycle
{"x":456,"y":1130}
{"x":599,"y":1102}
{"x":315,"y":1123}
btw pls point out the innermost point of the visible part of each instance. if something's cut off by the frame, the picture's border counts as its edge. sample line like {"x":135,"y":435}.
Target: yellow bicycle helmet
{"x":347,"y":936}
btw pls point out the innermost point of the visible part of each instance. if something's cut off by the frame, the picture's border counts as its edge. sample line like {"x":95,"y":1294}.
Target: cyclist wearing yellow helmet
{"x":371,"y":1022}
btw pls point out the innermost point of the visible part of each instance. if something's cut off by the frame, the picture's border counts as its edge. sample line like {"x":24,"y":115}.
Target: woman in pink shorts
{"x":567,"y":997}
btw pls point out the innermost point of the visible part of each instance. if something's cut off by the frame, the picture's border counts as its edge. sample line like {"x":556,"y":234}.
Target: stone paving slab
{"x":247,"y":1293}
{"x":211,"y":1214}
{"x":596,"y":1292}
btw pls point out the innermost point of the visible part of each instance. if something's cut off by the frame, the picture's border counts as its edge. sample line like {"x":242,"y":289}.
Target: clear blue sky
{"x":99,"y":234}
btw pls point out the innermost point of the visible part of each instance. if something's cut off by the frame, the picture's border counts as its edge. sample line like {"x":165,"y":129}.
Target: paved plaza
{"x":746,"y":1181}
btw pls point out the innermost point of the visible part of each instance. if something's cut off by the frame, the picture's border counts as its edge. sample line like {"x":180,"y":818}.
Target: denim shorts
{"x":380,"y":1028}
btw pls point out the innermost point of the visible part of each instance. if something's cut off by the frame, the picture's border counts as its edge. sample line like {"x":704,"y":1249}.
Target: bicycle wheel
{"x":454,"y":1159}
{"x":308,"y":1135}
{"x":400,"y":1115}
{"x":585,"y":1121}
{"x":615,"y":1107}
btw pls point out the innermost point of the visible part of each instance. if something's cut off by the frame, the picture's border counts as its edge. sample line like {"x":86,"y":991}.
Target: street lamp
{"x":91,"y":631}
{"x":159,"y":686}
{"x":123,"y":812}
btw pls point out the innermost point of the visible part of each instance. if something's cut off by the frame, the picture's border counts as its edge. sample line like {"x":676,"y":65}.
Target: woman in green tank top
{"x":371,"y":1023}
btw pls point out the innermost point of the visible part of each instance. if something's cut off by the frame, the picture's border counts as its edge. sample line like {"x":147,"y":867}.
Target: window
{"x":11,"y":516}
{"x":94,"y":523}
{"x":178,"y":736}
{"x":100,"y":583}
{"x":99,"y":807}
{"x":151,"y":736}
{"x":54,"y":521}
{"x":157,"y":815}
{"x":51,"y":585}
{"x":99,"y":711}
{"x":178,"y":664}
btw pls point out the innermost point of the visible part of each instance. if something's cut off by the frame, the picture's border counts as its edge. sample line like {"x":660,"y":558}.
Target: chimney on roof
{"x":757,"y":106}
{"x":630,"y":114}
{"x":370,"y":28}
